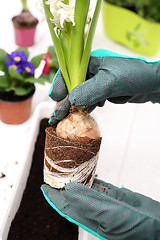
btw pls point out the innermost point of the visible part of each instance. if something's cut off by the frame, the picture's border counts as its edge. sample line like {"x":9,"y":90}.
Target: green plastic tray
{"x":129,"y":29}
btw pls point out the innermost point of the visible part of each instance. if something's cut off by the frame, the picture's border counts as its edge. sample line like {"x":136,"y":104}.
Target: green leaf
{"x":53,"y":63}
{"x":37,"y":59}
{"x":14,"y":74}
{"x":40,"y":80}
{"x":23,"y":49}
{"x":57,"y":45}
{"x":46,"y":77}
{"x":3,"y":67}
{"x":50,"y":76}
{"x":23,"y":90}
{"x":4,"y":82}
{"x":30,"y":80}
{"x":88,"y":45}
{"x":8,"y":89}
{"x":3,"y":57}
{"x":20,"y":91}
{"x":52,"y":52}
{"x":77,"y":41}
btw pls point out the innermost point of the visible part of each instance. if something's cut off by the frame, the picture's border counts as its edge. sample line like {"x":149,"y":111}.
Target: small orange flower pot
{"x":15,"y":112}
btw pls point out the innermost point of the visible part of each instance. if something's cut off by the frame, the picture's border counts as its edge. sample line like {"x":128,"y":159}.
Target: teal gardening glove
{"x":106,"y":211}
{"x":117,"y":78}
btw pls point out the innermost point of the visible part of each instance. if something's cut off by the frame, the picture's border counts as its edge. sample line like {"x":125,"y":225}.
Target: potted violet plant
{"x":67,"y":22}
{"x":18,"y":79}
{"x":24,"y":27}
{"x":135,"y":24}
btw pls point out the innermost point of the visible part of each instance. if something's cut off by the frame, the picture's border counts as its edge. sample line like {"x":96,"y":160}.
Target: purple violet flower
{"x":18,"y":61}
{"x":15,"y":66}
{"x":28,"y":68}
{"x":18,"y":56}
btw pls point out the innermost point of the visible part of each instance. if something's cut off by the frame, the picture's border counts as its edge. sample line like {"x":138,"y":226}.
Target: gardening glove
{"x":111,"y":76}
{"x":106,"y":211}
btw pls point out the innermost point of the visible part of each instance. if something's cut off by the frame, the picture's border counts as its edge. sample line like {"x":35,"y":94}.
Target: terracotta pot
{"x":15,"y":112}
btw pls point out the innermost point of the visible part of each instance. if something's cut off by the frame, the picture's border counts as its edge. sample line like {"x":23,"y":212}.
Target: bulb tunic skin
{"x":78,"y":126}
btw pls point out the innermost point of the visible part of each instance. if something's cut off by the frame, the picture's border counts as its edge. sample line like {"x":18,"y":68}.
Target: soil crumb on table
{"x":36,"y":219}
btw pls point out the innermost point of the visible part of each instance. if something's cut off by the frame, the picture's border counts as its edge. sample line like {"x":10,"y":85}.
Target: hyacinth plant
{"x":18,"y":74}
{"x":67,"y":20}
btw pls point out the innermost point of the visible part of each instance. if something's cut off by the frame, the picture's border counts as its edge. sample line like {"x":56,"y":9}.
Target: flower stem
{"x":88,"y":44}
{"x":77,"y":40}
{"x":24,"y":4}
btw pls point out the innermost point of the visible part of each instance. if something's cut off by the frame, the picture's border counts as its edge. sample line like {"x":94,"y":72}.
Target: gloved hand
{"x":111,"y":76}
{"x":106,"y":211}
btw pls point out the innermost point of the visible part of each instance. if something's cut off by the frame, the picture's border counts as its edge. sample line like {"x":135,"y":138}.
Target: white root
{"x":71,"y":151}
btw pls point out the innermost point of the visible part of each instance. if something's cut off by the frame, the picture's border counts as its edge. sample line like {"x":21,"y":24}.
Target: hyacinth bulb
{"x":78,"y":126}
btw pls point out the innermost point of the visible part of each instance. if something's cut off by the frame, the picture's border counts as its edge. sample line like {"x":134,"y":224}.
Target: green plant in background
{"x":148,"y":9}
{"x":121,"y":3}
{"x":18,"y":74}
{"x":67,"y":22}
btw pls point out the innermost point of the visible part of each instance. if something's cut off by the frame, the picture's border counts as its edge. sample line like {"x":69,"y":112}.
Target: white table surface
{"x":130,"y":152}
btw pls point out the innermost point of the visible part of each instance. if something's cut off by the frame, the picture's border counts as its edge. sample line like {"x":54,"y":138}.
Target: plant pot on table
{"x":129,"y":29}
{"x":24,"y":28}
{"x":17,"y":83}
{"x":15,"y":109}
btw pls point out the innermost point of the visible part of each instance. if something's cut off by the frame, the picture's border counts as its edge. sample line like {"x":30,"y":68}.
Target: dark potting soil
{"x":11,"y":97}
{"x":35,"y":218}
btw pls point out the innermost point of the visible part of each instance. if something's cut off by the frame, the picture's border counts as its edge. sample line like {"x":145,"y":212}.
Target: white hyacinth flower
{"x":61,"y":12}
{"x":40,"y":8}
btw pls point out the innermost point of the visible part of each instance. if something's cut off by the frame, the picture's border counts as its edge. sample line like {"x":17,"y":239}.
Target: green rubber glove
{"x":106,"y":211}
{"x":111,"y":76}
